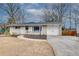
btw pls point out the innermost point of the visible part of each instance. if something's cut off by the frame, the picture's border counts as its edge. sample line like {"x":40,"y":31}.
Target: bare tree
{"x":49,"y":16}
{"x":13,"y":11}
{"x":76,"y":13}
{"x":56,"y":11}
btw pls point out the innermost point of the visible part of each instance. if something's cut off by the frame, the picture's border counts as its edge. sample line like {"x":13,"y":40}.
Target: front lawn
{"x":18,"y":47}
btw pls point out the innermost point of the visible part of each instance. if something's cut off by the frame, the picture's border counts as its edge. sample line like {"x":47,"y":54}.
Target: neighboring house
{"x":35,"y":29}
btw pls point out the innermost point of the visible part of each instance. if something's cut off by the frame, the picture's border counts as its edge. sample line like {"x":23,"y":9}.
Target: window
{"x":36,"y":28}
{"x":17,"y":27}
{"x":26,"y":27}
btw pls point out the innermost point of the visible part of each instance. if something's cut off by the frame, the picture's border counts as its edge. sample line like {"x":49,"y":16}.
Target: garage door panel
{"x":52,"y":30}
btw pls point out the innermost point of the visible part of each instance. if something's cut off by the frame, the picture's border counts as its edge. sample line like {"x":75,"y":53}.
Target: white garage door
{"x":52,"y":30}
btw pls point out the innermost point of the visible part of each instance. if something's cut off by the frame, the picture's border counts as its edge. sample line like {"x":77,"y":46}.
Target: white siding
{"x":46,"y":30}
{"x":53,"y":30}
{"x":22,"y":30}
{"x":29,"y":29}
{"x":15,"y":31}
{"x":42,"y":32}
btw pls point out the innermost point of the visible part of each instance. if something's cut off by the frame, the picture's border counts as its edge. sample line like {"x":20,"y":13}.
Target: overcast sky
{"x":33,"y":11}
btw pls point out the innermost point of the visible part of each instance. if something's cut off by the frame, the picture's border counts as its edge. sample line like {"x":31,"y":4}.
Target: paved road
{"x":65,"y":46}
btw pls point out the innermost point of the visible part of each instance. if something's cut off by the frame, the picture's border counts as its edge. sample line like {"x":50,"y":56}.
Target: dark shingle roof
{"x":32,"y":24}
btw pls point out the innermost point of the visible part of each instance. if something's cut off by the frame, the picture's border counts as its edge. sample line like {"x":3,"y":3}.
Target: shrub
{"x":7,"y":32}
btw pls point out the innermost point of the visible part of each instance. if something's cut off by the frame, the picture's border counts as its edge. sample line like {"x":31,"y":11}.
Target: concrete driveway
{"x":64,"y":45}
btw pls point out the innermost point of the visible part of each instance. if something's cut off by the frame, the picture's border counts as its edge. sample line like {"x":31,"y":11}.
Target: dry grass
{"x":14,"y":46}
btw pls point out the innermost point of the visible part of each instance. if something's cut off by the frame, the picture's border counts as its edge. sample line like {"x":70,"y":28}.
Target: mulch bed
{"x":36,"y":36}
